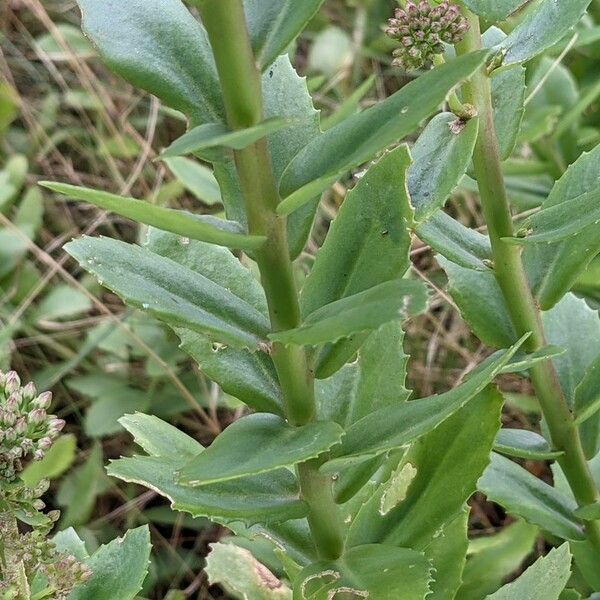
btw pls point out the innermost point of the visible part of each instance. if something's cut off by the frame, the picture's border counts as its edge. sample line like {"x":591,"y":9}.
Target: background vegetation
{"x":64,"y":117}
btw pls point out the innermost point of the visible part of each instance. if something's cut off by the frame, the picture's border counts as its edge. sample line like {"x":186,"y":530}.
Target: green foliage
{"x":118,"y":569}
{"x":543,"y":580}
{"x":232,"y":455}
{"x":335,"y":480}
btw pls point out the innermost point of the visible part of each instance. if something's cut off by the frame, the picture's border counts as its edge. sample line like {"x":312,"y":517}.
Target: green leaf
{"x":197,"y":227}
{"x":393,"y":300}
{"x":368,"y":242}
{"x":256,"y":444}
{"x":80,"y":488}
{"x":264,"y":498}
{"x":567,"y":324}
{"x":522,"y":361}
{"x":564,"y":220}
{"x":240,"y":574}
{"x":494,"y":558}
{"x":62,"y":302}
{"x":508,"y":97}
{"x":521,"y":443}
{"x":523,"y":494}
{"x":47,"y":44}
{"x":170,"y":292}
{"x":447,"y":553}
{"x":197,"y":178}
{"x":274,"y":24}
{"x":586,"y":560}
{"x":494,"y":10}
{"x":68,"y":542}
{"x":397,"y":426}
{"x":360,"y":137}
{"x":441,"y":156}
{"x":248,"y":376}
{"x":544,"y":24}
{"x":350,"y":105}
{"x":284,"y":95}
{"x":587,"y":393}
{"x":544,"y":580}
{"x":376,"y":571}
{"x":118,"y":569}
{"x":554,"y":268}
{"x":447,"y":463}
{"x":102,"y":417}
{"x":372,"y":382}
{"x":481,"y":303}
{"x":382,"y":377}
{"x":216,"y":135}
{"x":158,"y":438}
{"x":211,"y":262}
{"x":591,"y":512}
{"x":57,"y":460}
{"x":158,"y":46}
{"x":462,"y":245}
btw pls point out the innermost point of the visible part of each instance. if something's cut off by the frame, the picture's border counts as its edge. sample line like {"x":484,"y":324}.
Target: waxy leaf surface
{"x":481,"y":303}
{"x":461,"y":245}
{"x":365,"y":311}
{"x":441,"y":156}
{"x":545,"y":23}
{"x":118,"y":568}
{"x":216,"y":135}
{"x":544,"y":580}
{"x":157,"y":45}
{"x":375,"y":571}
{"x":493,"y":558}
{"x":523,"y":494}
{"x":197,"y":227}
{"x":274,"y":24}
{"x":360,"y":137}
{"x":259,"y":443}
{"x":448,"y":461}
{"x":395,"y":427}
{"x":554,"y":268}
{"x":170,"y":292}
{"x":522,"y":443}
{"x":264,"y":498}
{"x":368,"y":241}
{"x":494,"y":10}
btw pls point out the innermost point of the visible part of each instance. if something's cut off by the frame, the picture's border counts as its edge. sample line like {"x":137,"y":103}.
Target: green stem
{"x":512,"y":279}
{"x":11,"y":564}
{"x":242,"y":92}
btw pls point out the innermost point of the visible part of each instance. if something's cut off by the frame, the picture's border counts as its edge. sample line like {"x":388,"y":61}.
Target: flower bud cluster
{"x":422,"y":30}
{"x":63,"y":572}
{"x":26,"y":428}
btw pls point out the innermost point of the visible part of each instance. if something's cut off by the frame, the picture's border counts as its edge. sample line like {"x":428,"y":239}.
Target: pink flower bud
{"x":37,"y":416}
{"x":43,"y":400}
{"x":29,"y":392}
{"x":13,"y":382}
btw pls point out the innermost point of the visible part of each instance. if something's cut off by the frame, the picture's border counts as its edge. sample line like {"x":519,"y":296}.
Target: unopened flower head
{"x":26,"y":430}
{"x":422,"y":30}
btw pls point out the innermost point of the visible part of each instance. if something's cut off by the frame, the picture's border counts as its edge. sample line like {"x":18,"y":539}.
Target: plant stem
{"x":11,"y":565}
{"x":242,"y":92}
{"x":512,"y":279}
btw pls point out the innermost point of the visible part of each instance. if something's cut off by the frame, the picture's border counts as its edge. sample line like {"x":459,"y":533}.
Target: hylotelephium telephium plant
{"x":27,"y":432}
{"x":360,"y":491}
